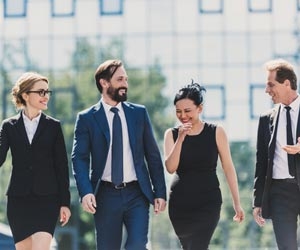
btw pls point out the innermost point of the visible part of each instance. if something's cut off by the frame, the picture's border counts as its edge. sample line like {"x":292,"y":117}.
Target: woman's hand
{"x":65,"y":215}
{"x":184,"y":129}
{"x":239,"y":214}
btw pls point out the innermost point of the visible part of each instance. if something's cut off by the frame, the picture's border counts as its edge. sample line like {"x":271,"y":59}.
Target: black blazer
{"x":265,"y":148}
{"x":41,"y":167}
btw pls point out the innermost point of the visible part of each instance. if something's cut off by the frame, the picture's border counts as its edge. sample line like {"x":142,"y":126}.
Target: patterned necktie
{"x":289,"y":140}
{"x":117,"y":149}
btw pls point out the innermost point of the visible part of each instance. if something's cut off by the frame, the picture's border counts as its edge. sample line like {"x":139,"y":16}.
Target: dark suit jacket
{"x":40,"y":167}
{"x":91,"y":146}
{"x":265,"y":148}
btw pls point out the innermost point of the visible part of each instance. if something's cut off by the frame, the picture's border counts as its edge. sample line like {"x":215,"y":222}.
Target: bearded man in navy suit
{"x":126,"y":204}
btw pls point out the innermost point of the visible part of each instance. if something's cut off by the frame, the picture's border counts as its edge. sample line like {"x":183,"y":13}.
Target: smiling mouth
{"x":122,"y":91}
{"x":186,"y":120}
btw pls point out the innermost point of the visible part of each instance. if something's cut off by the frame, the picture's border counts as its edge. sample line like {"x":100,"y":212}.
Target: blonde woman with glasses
{"x":38,"y":193}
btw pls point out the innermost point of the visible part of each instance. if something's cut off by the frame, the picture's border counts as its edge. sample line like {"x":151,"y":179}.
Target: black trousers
{"x":285,"y":209}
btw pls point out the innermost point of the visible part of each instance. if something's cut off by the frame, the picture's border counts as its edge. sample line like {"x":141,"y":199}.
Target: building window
{"x":214,"y":101}
{"x":211,"y":6}
{"x":15,"y":8}
{"x":259,"y":102}
{"x":111,"y":7}
{"x":64,"y":8}
{"x":260,"y":6}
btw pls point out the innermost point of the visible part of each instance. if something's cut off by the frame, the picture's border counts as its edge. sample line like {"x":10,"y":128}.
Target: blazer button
{"x":30,"y":167}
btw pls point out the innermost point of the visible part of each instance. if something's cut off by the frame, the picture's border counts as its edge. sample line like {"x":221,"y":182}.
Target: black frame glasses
{"x":41,"y":92}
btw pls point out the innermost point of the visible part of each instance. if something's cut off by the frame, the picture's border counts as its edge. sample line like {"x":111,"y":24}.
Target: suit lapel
{"x":41,"y":126}
{"x":100,"y":116}
{"x":21,"y":127}
{"x":130,"y":116}
{"x":274,"y":117}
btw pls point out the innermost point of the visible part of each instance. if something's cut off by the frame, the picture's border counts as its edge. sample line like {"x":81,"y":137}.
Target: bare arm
{"x":229,"y":171}
{"x":172,"y":149}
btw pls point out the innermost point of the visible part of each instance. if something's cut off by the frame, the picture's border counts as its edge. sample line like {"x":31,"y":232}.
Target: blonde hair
{"x":24,"y":84}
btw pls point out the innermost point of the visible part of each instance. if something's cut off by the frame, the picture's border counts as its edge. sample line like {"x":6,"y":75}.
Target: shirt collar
{"x":107,"y":107}
{"x":294,"y":105}
{"x":35,"y":119}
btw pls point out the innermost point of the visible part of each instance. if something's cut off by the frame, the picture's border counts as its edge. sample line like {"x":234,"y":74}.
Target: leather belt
{"x":288,"y":180}
{"x":120,"y":186}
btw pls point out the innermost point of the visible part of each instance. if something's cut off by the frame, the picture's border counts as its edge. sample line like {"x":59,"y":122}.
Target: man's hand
{"x":159,"y":205}
{"x":89,"y":203}
{"x":292,"y":149}
{"x":257,"y":216}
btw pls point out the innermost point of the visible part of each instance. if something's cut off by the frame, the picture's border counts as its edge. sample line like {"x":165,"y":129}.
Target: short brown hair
{"x":284,"y":71}
{"x":24,"y":84}
{"x":106,"y":70}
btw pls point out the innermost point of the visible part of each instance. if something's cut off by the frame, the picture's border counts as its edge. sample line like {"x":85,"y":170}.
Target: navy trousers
{"x":285,"y":209}
{"x":117,"y":208}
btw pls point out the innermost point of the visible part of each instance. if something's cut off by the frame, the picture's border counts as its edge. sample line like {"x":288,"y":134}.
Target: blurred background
{"x":164,"y":44}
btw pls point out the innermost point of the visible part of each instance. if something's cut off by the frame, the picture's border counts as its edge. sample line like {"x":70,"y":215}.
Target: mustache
{"x":122,"y":88}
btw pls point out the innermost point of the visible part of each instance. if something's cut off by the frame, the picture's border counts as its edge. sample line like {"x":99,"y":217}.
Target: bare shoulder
{"x":168,"y":132}
{"x":220,"y":128}
{"x":220,"y":132}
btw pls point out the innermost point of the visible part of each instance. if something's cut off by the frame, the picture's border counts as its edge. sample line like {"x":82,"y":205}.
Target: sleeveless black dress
{"x":195,"y":197}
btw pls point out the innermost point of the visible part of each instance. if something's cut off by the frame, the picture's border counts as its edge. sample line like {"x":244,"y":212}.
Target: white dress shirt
{"x":128,"y":166}
{"x":30,"y":125}
{"x":280,"y":162}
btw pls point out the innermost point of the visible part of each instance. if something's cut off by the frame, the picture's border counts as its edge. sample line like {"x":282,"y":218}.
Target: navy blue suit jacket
{"x":91,"y":146}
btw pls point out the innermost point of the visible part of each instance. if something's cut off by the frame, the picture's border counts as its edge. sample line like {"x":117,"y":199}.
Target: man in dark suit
{"x":277,"y":176}
{"x":125,"y":202}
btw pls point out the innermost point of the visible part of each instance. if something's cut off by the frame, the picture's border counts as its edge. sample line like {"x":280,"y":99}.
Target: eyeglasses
{"x":41,"y":92}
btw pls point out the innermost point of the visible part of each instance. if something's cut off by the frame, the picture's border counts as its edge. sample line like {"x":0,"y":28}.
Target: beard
{"x":115,"y":96}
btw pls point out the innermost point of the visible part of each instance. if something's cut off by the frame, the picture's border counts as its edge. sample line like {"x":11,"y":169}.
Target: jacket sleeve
{"x":154,"y":161}
{"x":62,"y":169}
{"x":263,"y":139}
{"x":81,"y":157}
{"x":4,"y":143}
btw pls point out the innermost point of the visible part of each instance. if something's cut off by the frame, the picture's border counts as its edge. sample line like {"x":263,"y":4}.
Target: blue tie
{"x":289,"y":136}
{"x":117,"y":149}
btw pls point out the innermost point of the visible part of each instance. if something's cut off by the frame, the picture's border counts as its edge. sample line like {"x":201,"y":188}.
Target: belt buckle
{"x":120,"y":186}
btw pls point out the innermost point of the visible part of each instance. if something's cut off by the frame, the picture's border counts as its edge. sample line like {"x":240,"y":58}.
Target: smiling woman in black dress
{"x":192,"y":151}
{"x":38,"y":191}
